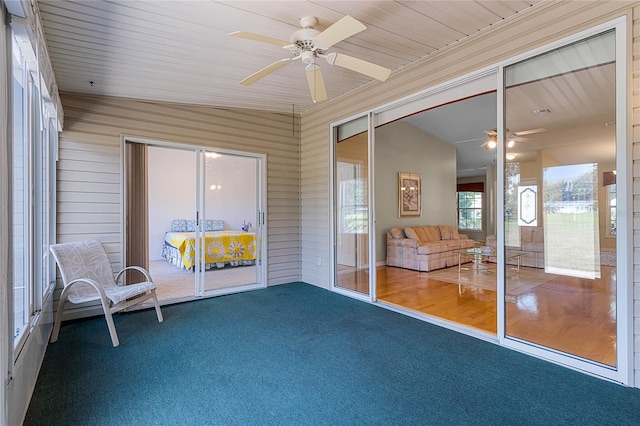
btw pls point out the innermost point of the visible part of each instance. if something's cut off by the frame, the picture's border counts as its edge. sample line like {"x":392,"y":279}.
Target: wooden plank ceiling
{"x":178,"y":51}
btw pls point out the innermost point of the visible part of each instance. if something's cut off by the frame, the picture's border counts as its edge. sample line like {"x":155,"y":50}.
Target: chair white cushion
{"x":121,"y":293}
{"x":88,"y":260}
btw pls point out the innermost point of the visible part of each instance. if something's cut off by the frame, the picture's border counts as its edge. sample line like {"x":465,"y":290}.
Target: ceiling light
{"x":510,"y":156}
{"x":491,"y":143}
{"x":511,"y":143}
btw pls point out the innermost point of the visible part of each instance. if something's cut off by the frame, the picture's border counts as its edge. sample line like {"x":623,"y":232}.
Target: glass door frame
{"x":334,"y":210}
{"x":259,"y":221}
{"x":623,"y":372}
{"x":261,"y":214}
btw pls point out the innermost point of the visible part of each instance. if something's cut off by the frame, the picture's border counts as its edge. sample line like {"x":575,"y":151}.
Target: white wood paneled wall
{"x":550,"y":21}
{"x":635,"y":137}
{"x":89,"y":169}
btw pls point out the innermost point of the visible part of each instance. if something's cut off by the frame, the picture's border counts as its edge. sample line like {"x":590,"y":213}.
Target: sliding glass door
{"x":351,"y":201}
{"x":562,"y":191}
{"x":203,"y":218}
{"x":555,"y":224}
{"x":230,"y":222}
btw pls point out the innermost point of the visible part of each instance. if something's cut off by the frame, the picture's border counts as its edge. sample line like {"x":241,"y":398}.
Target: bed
{"x":222,"y":247}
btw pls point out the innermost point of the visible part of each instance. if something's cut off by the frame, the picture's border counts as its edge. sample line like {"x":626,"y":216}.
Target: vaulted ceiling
{"x":179,"y":51}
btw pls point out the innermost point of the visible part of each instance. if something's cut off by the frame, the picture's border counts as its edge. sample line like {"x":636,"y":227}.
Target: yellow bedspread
{"x":219,"y":246}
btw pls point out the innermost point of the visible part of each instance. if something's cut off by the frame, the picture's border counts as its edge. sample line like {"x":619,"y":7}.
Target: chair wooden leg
{"x":155,"y":301}
{"x":110,"y":324}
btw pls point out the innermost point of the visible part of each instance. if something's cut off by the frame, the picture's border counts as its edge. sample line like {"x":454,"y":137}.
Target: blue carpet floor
{"x":298,"y":355}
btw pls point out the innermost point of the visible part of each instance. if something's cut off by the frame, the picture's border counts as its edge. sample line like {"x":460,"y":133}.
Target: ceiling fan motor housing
{"x":305,"y":36}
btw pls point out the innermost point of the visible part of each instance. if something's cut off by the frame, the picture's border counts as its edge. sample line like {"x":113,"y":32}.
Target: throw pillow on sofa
{"x":396,"y":232}
{"x":424,"y":234}
{"x":448,"y":232}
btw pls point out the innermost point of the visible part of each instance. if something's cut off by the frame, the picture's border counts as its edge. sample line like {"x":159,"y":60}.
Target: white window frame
{"x":481,"y":209}
{"x":609,"y":213}
{"x":39,"y":139}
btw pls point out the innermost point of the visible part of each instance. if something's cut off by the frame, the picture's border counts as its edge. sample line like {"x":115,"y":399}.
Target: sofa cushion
{"x":433,"y":247}
{"x":538,"y":235}
{"x":531,"y":234}
{"x":526,"y":234}
{"x":448,"y":232}
{"x":424,"y":234}
{"x":396,"y":233}
{"x":533,"y":247}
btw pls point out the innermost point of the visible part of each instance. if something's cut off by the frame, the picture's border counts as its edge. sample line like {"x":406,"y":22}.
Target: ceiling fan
{"x":511,"y":138}
{"x":309,"y":44}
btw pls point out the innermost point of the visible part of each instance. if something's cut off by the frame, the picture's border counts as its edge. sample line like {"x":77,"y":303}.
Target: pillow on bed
{"x":213,"y":225}
{"x":191,"y":226}
{"x":179,"y":225}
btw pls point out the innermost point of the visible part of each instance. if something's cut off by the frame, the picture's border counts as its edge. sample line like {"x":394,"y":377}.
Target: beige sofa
{"x":425,"y":248}
{"x":531,"y":243}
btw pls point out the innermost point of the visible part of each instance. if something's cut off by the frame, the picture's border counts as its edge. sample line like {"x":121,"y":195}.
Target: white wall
{"x":401,"y":147}
{"x":235,"y":201}
{"x":172,"y":192}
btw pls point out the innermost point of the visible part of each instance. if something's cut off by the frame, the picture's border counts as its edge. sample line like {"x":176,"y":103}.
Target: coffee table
{"x":479,"y":255}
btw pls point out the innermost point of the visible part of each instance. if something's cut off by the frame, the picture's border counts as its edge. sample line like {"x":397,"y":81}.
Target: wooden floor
{"x":571,"y":315}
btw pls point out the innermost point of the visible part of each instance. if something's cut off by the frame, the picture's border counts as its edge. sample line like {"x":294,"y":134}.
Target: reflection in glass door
{"x":352,"y":206}
{"x":560,"y":200}
{"x":229,"y":225}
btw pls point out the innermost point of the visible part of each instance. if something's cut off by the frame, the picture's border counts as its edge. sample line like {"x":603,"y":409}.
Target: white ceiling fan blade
{"x":344,"y":28}
{"x":530,"y":132}
{"x":259,"y":37}
{"x":265,"y":72}
{"x":316,"y":83}
{"x":358,"y":65}
{"x":468,"y":140}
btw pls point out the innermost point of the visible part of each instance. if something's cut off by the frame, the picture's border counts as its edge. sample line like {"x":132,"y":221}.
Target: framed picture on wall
{"x":409,"y":191}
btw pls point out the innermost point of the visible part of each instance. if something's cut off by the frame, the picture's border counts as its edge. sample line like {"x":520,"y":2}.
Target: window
{"x":611,"y":210}
{"x":19,"y":194}
{"x":528,"y":205}
{"x":470,"y":210}
{"x":33,"y":134}
{"x":352,"y":202}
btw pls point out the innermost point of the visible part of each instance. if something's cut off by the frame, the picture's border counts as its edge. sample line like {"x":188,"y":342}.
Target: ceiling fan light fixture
{"x":511,"y":143}
{"x":491,"y":143}
{"x":510,"y":156}
{"x":308,"y":57}
{"x":316,"y":83}
{"x":308,"y":44}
